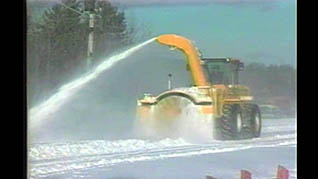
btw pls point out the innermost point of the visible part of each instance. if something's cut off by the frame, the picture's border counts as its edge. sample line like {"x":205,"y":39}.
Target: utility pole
{"x":169,"y":81}
{"x":90,"y":7}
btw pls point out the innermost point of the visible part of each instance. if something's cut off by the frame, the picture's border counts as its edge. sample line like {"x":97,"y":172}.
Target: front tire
{"x":229,"y":126}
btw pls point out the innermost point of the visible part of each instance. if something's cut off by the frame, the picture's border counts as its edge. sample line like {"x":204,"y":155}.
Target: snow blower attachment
{"x":215,"y":98}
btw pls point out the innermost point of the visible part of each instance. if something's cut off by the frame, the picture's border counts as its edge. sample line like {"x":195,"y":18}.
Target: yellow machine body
{"x":204,"y":98}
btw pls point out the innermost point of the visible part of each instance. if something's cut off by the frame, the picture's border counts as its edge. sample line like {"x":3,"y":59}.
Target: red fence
{"x":282,"y":173}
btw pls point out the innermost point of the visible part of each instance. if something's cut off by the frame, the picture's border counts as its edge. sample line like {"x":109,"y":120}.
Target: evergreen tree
{"x":57,"y":44}
{"x":33,"y":58}
{"x":111,"y":29}
{"x":64,"y":36}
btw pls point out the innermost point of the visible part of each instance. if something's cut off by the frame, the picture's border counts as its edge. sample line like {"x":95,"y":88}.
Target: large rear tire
{"x":257,"y":121}
{"x":252,"y":121}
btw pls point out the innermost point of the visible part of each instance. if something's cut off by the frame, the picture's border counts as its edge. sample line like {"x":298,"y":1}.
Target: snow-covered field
{"x":168,"y":158}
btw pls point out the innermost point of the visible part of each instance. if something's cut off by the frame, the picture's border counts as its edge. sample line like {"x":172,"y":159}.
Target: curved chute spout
{"x":193,"y":59}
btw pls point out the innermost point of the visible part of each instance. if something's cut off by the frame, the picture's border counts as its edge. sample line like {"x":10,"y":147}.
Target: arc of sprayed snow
{"x":46,"y":108}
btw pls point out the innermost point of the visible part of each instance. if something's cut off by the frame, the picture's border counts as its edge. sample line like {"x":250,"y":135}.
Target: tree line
{"x":271,"y":84}
{"x":57,"y":43}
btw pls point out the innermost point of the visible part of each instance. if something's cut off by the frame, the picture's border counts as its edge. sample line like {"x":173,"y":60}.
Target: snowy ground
{"x":168,"y":158}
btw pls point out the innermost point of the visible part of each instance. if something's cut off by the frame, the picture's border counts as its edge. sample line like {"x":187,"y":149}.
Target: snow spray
{"x":40,"y":112}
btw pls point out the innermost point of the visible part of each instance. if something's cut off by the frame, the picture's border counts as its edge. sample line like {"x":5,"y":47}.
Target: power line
{"x":79,"y":12}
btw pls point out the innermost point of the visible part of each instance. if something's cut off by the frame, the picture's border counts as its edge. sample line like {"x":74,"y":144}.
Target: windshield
{"x":217,"y":72}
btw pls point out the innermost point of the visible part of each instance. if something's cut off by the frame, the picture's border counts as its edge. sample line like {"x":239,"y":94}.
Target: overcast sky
{"x":254,"y":30}
{"x":263,"y":32}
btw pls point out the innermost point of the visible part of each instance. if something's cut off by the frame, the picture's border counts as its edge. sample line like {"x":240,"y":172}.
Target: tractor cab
{"x":222,"y":70}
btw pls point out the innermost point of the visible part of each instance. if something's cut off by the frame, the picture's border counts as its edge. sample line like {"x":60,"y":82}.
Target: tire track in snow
{"x":47,"y":167}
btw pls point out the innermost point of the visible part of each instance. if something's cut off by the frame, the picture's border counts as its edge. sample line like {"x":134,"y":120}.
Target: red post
{"x":282,"y":173}
{"x":246,"y":174}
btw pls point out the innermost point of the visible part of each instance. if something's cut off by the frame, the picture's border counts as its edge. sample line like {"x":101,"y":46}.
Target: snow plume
{"x":40,"y":112}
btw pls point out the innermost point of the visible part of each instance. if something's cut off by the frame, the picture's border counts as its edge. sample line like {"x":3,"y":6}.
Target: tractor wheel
{"x":230,"y":124}
{"x":251,"y":122}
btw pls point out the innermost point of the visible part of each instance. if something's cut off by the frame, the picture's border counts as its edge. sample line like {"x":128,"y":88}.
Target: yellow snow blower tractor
{"x":216,"y":99}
